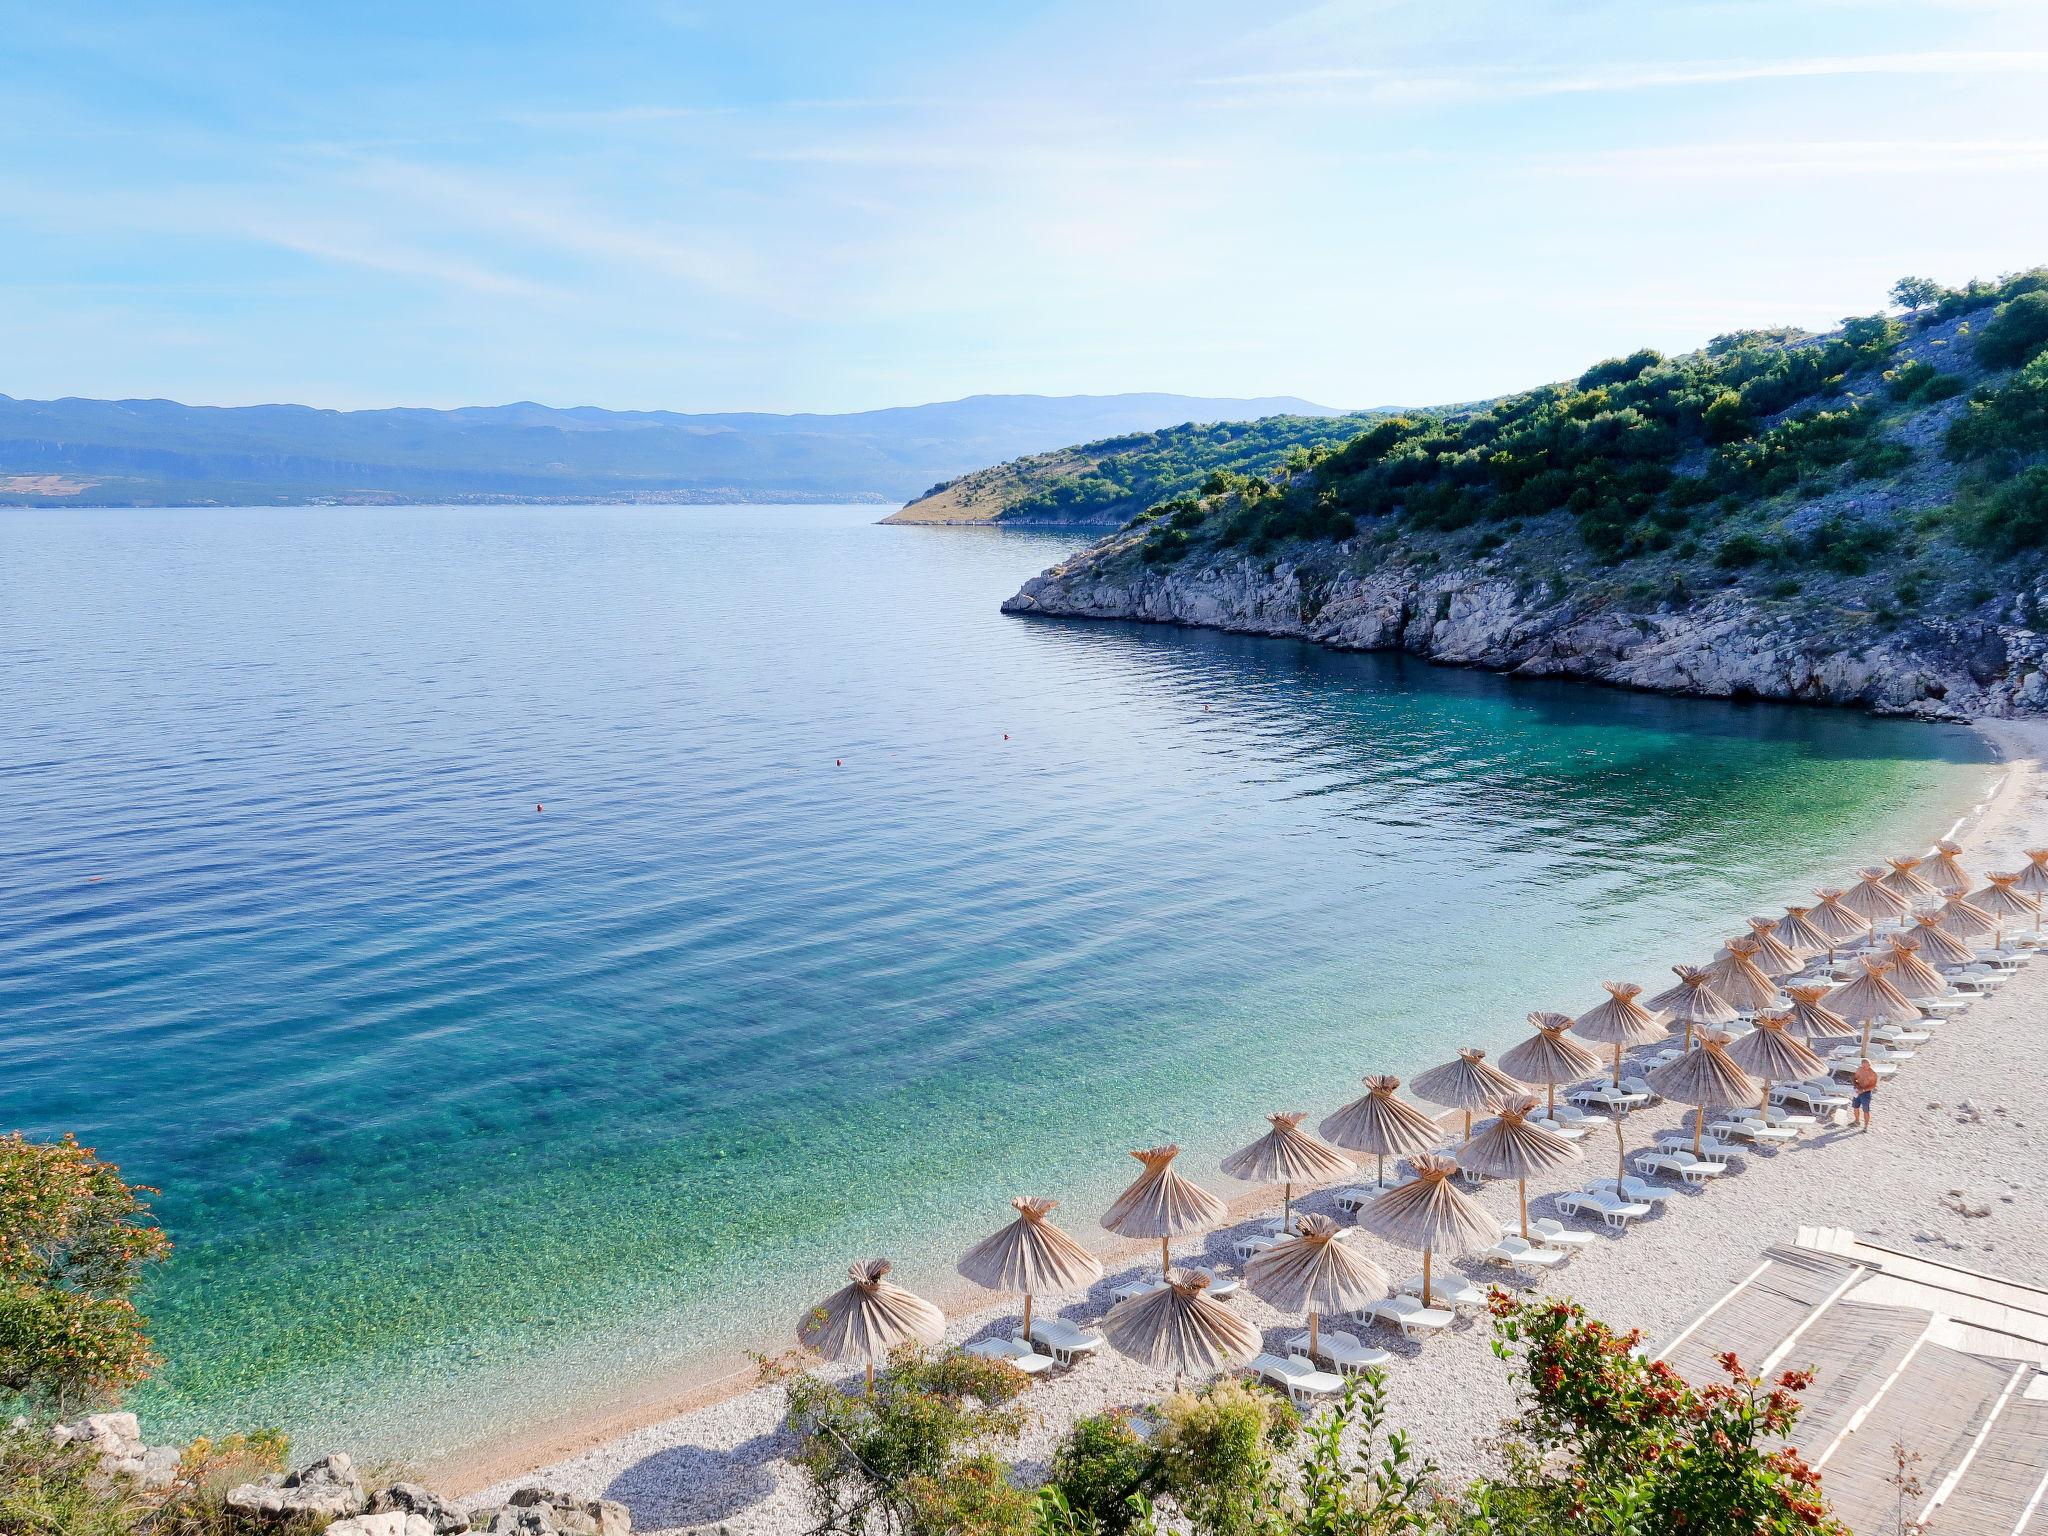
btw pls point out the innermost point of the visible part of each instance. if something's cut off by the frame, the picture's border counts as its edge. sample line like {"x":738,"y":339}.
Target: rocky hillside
{"x":1858,"y":518}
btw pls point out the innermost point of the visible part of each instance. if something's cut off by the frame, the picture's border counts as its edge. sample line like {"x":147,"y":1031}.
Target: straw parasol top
{"x":1314,"y":1272}
{"x":1287,"y":1155}
{"x":1835,"y":920}
{"x":1031,"y":1255}
{"x":1512,"y":1148}
{"x":1771,"y":1052}
{"x":1430,"y":1211}
{"x":2033,"y":879}
{"x":1704,"y":1076}
{"x":1381,"y":1125}
{"x":1937,"y":945}
{"x":1694,"y":1000}
{"x":1471,"y":1082}
{"x":1621,"y":1020}
{"x":1160,"y":1203}
{"x":1809,"y":1018}
{"x":1774,"y":957}
{"x":2001,"y":899}
{"x":1796,"y":931}
{"x":1871,"y":999}
{"x":1736,"y":977}
{"x":1945,"y":870}
{"x":1870,"y":900}
{"x":1550,"y":1055}
{"x":1963,"y":919}
{"x":1914,"y":977}
{"x":869,"y":1318}
{"x":1904,"y":880}
{"x":1180,"y":1327}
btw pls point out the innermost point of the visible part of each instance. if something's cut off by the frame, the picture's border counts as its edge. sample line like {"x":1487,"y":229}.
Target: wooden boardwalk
{"x":1913,"y":1358}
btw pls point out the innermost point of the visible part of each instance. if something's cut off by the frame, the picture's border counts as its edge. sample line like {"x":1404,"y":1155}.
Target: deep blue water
{"x":465,"y":1110}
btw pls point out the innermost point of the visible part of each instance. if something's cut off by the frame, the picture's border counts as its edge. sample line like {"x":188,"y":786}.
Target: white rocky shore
{"x":1959,"y":1140}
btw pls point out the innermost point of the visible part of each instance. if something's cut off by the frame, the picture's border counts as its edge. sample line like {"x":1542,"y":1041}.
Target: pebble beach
{"x":1946,"y":1170}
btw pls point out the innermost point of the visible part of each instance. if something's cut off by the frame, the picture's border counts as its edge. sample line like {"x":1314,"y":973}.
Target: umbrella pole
{"x":1468,"y":1125}
{"x":1425,"y":1277}
{"x":1379,"y":1170}
{"x":1550,"y":1109}
{"x":1027,"y":1317}
{"x":1620,"y":1158}
{"x":871,"y":1378}
{"x":1699,"y":1126}
{"x":1312,"y":1321}
{"x":1286,"y":1209}
{"x":1617,"y":1063}
{"x":1522,"y":1187}
{"x":1165,"y":1272}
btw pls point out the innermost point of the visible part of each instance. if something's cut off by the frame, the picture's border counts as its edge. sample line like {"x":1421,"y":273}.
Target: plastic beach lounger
{"x":1301,"y":1380}
{"x":1341,"y":1349}
{"x":1013,"y":1352}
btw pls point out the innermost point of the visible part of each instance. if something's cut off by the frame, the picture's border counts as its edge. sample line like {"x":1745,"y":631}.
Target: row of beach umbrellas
{"x":1177,"y":1325}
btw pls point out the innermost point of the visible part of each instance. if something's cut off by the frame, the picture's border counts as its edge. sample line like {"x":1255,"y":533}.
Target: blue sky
{"x":835,"y":206}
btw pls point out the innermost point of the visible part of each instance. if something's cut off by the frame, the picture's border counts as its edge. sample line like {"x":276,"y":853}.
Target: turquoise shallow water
{"x":468,"y":1114}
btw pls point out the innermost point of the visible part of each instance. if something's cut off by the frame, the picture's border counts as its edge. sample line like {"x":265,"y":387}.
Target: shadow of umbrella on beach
{"x":1286,"y":1155}
{"x":1314,"y":1272}
{"x":1512,"y":1148}
{"x":1431,"y":1213}
{"x":1550,"y":1056}
{"x":1770,"y":1054}
{"x":1162,"y":1204}
{"x":1621,"y":1022}
{"x":1842,"y":926}
{"x":1703,"y":1077}
{"x":1870,"y":999}
{"x":869,"y":1318}
{"x":1694,"y":1003}
{"x":1179,"y":1327}
{"x":1382,"y":1126}
{"x":1469,"y":1083}
{"x":1031,"y":1255}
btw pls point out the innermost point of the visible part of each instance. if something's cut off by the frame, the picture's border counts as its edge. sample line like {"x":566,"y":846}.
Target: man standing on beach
{"x":1865,"y":1084}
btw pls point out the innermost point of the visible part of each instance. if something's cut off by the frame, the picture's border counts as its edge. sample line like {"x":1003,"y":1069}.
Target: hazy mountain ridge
{"x":78,"y":451}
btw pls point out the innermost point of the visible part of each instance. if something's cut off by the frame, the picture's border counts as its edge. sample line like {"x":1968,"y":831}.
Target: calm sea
{"x":854,"y":908}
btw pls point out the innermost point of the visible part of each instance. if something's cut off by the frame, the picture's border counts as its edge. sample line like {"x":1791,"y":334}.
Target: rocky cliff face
{"x":1718,"y":645}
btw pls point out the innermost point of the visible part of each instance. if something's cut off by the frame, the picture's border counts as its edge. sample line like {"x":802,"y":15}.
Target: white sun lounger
{"x":1755,"y":1131}
{"x":1358,"y":1197}
{"x":1548,"y":1232}
{"x":1341,"y":1349}
{"x":1819,"y":1098}
{"x":1134,"y":1288}
{"x":1013,"y":1352}
{"x":1252,"y":1243}
{"x":1607,"y":1096}
{"x":1641,"y":1191}
{"x":1221,"y":1286}
{"x":1520,"y":1252}
{"x":1680,"y":1164}
{"x":1450,"y":1290}
{"x":1407,"y":1314}
{"x":1642,"y":1086}
{"x":1064,"y":1339}
{"x":1301,"y":1380}
{"x":1710,"y":1145}
{"x":1616,"y":1213}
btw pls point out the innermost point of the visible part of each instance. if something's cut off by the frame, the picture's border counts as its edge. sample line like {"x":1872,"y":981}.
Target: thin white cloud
{"x":1831,"y":158}
{"x":357,"y":250}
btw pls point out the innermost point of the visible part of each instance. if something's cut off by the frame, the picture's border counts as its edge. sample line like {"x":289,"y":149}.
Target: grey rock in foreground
{"x":1722,"y":645}
{"x":116,"y":1438}
{"x":437,"y":1515}
{"x":328,"y":1489}
{"x":537,"y":1511}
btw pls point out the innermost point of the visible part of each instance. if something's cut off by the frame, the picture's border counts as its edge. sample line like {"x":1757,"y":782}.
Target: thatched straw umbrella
{"x":868,"y":1319}
{"x":2003,"y":900}
{"x":1736,"y":977}
{"x":1512,"y":1148}
{"x":1382,"y":1126}
{"x":1871,"y":900}
{"x":1811,"y":1019}
{"x":1621,"y":1021}
{"x":1315,"y":1273}
{"x":1430,"y":1212}
{"x":1162,"y":1204}
{"x":1705,"y":1078}
{"x":1945,"y":870}
{"x":1871,"y":999}
{"x":1179,"y":1327}
{"x":1694,"y":1003}
{"x":1771,"y":1054}
{"x":1938,"y":946}
{"x":1286,"y":1155}
{"x":1962,"y":919}
{"x":2033,"y":880}
{"x":1775,"y":958}
{"x":1797,"y":933}
{"x":1471,"y":1082}
{"x":1914,"y":977}
{"x":1031,"y":1255}
{"x":1904,"y":880}
{"x":1550,"y":1056}
{"x":1842,"y":926}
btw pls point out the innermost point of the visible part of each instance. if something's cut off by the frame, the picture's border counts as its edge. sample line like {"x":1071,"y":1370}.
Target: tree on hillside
{"x":74,"y":1238}
{"x":1914,"y":293}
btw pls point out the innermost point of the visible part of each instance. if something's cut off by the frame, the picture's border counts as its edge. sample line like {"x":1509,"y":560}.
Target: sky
{"x":832,"y":206}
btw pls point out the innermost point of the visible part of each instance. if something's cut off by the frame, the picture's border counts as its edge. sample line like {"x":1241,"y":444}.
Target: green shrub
{"x":2016,"y":332}
{"x":1843,"y":545}
{"x":1620,"y":370}
{"x":2007,"y":423}
{"x":1103,"y":1474}
{"x":2007,"y":519}
{"x":1739,"y":551}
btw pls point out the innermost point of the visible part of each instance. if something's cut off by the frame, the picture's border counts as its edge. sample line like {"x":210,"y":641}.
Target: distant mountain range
{"x":158,"y":452}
